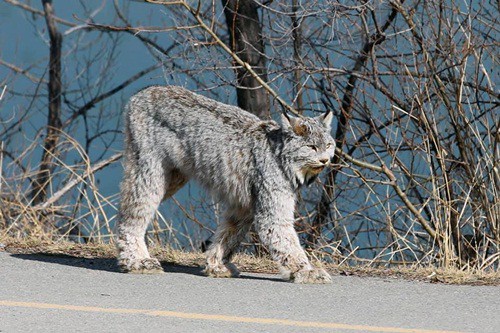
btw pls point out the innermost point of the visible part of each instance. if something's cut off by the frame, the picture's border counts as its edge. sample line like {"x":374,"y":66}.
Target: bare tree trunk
{"x":297,"y":46}
{"x":245,"y":39}
{"x":42,"y":180}
{"x":245,"y":33}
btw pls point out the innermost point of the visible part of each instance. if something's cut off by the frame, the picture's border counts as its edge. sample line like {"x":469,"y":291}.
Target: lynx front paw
{"x":140,"y":266}
{"x":310,"y":276}
{"x":222,"y":271}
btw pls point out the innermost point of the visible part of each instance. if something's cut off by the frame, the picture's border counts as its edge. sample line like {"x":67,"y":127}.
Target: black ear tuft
{"x":327,"y":119}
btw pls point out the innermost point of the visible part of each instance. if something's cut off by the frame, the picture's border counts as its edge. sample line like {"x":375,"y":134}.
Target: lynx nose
{"x":324,"y":160}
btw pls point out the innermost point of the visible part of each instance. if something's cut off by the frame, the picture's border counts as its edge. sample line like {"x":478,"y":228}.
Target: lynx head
{"x":308,"y":146}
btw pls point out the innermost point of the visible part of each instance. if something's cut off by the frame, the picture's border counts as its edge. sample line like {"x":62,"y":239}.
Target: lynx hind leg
{"x":143,"y":188}
{"x":228,"y":237}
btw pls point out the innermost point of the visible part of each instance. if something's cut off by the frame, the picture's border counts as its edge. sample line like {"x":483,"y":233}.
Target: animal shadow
{"x":110,"y":265}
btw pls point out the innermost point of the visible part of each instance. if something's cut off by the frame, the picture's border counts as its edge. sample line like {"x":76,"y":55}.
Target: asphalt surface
{"x":64,"y":294}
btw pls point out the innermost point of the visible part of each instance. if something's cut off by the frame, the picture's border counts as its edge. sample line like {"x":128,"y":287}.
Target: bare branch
{"x":80,"y":178}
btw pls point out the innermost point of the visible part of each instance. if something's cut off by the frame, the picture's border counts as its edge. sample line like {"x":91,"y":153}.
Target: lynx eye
{"x":328,"y":145}
{"x":313,"y":147}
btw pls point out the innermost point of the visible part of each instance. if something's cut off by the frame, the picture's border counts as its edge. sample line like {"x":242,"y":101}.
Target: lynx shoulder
{"x":254,"y":166}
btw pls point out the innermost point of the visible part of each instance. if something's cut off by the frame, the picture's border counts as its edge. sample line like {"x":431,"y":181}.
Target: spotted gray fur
{"x":255,"y":167}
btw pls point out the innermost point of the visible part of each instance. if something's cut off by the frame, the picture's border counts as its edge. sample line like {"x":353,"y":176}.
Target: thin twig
{"x":72,"y":183}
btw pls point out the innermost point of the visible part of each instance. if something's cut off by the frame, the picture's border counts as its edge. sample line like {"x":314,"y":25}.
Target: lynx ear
{"x":294,"y":124}
{"x":286,"y":122}
{"x":327,"y":119}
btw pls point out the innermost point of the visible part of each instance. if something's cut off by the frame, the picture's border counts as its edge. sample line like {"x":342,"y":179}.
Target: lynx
{"x":254,"y":166}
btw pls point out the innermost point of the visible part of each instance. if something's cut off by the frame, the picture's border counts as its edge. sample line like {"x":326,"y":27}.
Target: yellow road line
{"x":202,"y":316}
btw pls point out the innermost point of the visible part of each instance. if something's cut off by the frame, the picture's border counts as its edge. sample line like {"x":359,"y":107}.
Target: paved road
{"x":59,"y":294}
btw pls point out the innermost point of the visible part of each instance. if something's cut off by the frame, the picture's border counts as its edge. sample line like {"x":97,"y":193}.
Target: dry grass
{"x":251,"y":263}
